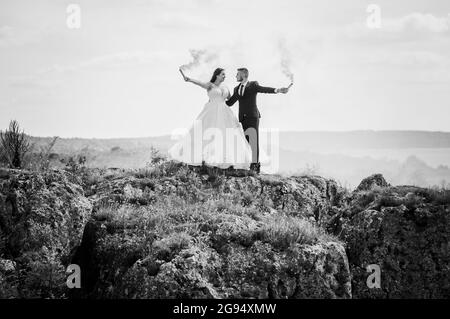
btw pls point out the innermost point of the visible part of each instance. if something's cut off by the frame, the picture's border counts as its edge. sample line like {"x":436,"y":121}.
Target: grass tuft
{"x":283,"y":231}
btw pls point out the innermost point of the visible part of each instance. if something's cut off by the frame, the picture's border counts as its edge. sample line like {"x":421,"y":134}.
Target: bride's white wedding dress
{"x":216,"y":137}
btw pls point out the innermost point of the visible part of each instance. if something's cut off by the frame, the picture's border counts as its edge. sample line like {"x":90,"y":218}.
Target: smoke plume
{"x":199,"y":57}
{"x":285,"y":61}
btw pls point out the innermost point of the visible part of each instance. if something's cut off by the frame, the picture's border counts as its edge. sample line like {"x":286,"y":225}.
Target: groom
{"x":249,"y":114}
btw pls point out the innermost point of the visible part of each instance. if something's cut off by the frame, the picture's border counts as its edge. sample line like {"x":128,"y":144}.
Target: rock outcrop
{"x":174,"y":231}
{"x":42,"y":218}
{"x":368,"y":183}
{"x":194,"y":234}
{"x":181,"y":266}
{"x":404,"y":230}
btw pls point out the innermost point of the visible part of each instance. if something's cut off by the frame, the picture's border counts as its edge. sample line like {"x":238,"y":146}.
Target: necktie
{"x":241,"y":90}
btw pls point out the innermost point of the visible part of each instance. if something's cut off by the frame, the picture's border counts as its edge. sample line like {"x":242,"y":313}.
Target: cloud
{"x":5,"y":31}
{"x":418,"y":22}
{"x":114,"y":60}
{"x":42,"y":78}
{"x":180,"y":20}
{"x":185,"y":4}
{"x":121,"y":59}
{"x":17,"y":36}
{"x":29,"y":82}
{"x":410,"y":58}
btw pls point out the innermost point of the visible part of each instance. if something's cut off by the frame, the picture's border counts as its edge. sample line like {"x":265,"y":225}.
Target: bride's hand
{"x":184,"y":76}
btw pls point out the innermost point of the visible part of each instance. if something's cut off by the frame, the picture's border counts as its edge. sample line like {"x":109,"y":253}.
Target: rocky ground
{"x":174,"y":231}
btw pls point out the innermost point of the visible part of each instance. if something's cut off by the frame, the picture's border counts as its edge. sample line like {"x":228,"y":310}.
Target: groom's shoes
{"x":256,"y":167}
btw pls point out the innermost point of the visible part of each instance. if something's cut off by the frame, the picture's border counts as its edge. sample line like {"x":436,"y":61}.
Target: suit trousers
{"x":251,"y":131}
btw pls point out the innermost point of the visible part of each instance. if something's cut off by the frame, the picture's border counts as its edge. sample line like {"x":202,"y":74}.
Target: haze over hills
{"x":364,"y":139}
{"x":289,"y":140}
{"x":417,"y":158}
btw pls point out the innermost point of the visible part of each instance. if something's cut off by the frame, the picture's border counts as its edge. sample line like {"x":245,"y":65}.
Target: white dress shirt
{"x":242,"y":88}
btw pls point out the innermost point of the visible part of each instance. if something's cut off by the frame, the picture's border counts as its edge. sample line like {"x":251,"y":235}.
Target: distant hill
{"x":364,"y":139}
{"x":70,"y":145}
{"x":329,"y":154}
{"x":289,"y":140}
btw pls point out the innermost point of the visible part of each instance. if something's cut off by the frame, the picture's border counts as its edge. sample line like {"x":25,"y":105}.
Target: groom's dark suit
{"x":248,"y":111}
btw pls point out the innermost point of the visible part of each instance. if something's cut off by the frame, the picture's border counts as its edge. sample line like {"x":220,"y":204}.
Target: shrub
{"x":75,"y":164}
{"x":105,"y":213}
{"x":387,"y":200}
{"x":161,"y":169}
{"x":122,"y":217}
{"x":282,"y":231}
{"x":15,"y":145}
{"x":93,"y":177}
{"x":40,"y":159}
{"x":309,"y":170}
{"x":3,"y":159}
{"x":44,"y":278}
{"x":145,"y":173}
{"x":247,"y":198}
{"x":156,"y":157}
{"x":168,"y":247}
{"x":438,"y":196}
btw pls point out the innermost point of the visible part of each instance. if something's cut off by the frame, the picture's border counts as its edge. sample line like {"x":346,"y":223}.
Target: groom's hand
{"x":282,"y":90}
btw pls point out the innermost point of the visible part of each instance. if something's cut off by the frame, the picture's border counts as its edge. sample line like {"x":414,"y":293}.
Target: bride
{"x":216,"y":138}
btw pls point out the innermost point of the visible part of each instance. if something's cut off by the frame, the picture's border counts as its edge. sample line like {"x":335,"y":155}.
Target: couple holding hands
{"x":235,"y":141}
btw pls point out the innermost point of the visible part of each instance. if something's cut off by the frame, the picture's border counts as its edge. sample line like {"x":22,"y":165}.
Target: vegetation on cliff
{"x":171,"y":231}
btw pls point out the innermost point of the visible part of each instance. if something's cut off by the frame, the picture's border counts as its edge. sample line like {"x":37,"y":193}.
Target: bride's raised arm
{"x":204,"y":85}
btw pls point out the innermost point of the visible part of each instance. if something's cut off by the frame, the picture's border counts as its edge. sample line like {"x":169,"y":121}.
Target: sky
{"x":117,"y":74}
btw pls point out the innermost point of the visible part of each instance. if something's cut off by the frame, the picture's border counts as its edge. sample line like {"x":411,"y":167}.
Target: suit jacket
{"x":247,"y":103}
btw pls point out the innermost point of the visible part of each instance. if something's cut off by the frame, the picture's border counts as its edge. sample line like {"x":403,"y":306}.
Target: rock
{"x":253,"y":270}
{"x":205,"y":236}
{"x":4,"y":173}
{"x":7,"y":266}
{"x":406,"y":232}
{"x":370,"y":182}
{"x":8,"y":279}
{"x":175,"y":231}
{"x":303,"y":196}
{"x":42,"y":217}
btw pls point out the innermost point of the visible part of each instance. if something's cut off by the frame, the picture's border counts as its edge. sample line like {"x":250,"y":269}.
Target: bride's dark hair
{"x":215,"y":75}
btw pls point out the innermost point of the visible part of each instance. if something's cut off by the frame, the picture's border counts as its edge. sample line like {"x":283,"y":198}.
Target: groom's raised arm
{"x":233,"y":98}
{"x":265,"y":89}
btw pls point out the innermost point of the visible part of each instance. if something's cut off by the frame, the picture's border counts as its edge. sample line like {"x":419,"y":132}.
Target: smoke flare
{"x":285,"y":61}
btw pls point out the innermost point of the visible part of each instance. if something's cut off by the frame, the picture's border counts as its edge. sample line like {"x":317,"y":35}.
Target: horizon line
{"x":263,"y":129}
